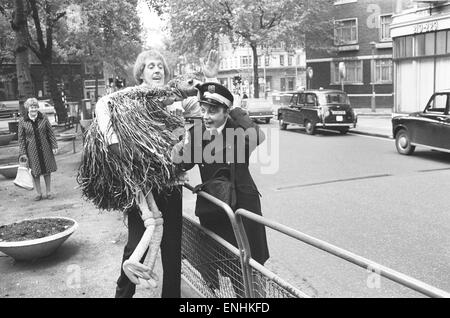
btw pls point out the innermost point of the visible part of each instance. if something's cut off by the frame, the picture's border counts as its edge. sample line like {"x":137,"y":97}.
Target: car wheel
{"x":267,"y":120}
{"x":310,"y":127}
{"x":343,"y":131}
{"x":283,"y":125}
{"x":403,"y":143}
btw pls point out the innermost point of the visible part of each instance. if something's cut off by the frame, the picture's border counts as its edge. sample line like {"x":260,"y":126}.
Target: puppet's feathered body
{"x":146,"y":134}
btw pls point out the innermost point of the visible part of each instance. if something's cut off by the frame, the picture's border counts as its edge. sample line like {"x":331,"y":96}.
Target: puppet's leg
{"x":156,"y":221}
{"x":152,"y":220}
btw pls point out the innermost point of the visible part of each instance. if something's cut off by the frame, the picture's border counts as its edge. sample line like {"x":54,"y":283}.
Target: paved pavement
{"x":374,"y":123}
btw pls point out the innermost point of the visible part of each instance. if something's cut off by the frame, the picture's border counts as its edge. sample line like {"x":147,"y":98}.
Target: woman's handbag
{"x":24,"y":179}
{"x":222,"y":186}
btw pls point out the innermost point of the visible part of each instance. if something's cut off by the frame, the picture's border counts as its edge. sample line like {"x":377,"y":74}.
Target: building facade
{"x":359,"y":58}
{"x":421,"y":36}
{"x":278,"y":69}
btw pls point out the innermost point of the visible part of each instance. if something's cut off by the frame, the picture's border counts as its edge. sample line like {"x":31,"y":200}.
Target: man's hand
{"x":211,"y":65}
{"x":55,"y":151}
{"x":114,"y":148}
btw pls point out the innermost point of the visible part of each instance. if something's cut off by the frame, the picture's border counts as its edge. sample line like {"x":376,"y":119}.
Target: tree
{"x":197,"y":24}
{"x":17,"y":12}
{"x":6,"y":38}
{"x":46,"y":16}
{"x":103,"y":33}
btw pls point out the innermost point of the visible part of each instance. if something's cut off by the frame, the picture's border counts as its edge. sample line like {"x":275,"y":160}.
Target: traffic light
{"x":119,"y":82}
{"x":237,"y":80}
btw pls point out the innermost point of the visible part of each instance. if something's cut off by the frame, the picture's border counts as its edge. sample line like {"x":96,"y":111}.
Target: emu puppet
{"x":146,"y":134}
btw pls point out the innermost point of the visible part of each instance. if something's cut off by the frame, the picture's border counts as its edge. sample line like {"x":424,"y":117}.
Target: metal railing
{"x":250,"y":268}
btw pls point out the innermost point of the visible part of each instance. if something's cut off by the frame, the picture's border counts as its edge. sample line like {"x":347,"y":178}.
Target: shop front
{"x":421,"y":55}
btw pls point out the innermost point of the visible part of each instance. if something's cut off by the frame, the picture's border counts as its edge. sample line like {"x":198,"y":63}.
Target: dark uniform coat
{"x":246,"y":190}
{"x":36,"y":141}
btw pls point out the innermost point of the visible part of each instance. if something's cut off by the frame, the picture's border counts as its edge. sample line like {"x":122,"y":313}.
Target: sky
{"x":153,"y":26}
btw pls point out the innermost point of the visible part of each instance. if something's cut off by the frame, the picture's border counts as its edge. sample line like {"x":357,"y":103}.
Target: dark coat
{"x":246,"y":191}
{"x":36,"y":141}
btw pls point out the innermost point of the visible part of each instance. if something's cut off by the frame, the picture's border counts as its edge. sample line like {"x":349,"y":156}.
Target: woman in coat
{"x":37,"y":144}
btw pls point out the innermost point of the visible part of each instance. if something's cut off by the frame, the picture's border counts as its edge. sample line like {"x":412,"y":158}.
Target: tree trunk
{"x":255,"y":71}
{"x":54,"y":92}
{"x":20,"y":27}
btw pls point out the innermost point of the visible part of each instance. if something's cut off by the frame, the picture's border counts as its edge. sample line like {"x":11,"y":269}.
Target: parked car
{"x":7,"y":112}
{"x":321,"y":108}
{"x":46,"y":108}
{"x":258,"y":108}
{"x":429,"y":128}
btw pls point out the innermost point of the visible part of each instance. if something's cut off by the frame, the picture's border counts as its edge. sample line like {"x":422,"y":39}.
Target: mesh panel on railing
{"x":215,"y":271}
{"x":263,"y":287}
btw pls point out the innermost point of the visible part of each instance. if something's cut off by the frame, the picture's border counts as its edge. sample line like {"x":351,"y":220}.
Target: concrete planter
{"x":9,"y":171}
{"x":5,"y":139}
{"x":37,"y":248}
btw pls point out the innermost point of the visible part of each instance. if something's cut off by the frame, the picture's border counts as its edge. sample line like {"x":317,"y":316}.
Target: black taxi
{"x":312,"y":109}
{"x":429,"y":128}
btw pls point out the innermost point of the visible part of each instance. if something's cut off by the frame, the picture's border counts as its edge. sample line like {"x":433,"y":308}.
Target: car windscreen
{"x":333,"y":98}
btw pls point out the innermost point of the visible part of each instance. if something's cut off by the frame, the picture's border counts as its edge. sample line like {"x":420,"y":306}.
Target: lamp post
{"x":373,"y":101}
{"x":265,"y":83}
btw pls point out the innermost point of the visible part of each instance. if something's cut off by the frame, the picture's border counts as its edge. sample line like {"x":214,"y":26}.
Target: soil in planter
{"x":34,"y":229}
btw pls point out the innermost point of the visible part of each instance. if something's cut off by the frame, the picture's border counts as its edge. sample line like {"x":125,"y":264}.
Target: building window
{"x":346,"y":32}
{"x":441,"y":39}
{"x":448,"y":41}
{"x":282,"y":84}
{"x":424,"y":44}
{"x":246,"y":61}
{"x":353,"y":72}
{"x":383,"y":71}
{"x":291,"y":82}
{"x":289,"y":60}
{"x":267,"y":60}
{"x":281,"y":60}
{"x":429,"y":43}
{"x":385,"y":27}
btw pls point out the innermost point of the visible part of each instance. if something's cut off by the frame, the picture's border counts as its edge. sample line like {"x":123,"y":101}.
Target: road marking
{"x":331,"y":181}
{"x":432,"y":170}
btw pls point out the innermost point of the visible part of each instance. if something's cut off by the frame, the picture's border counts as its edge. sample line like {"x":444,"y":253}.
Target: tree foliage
{"x":104,"y":31}
{"x":6,"y":36}
{"x":93,"y":31}
{"x":196,"y":25}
